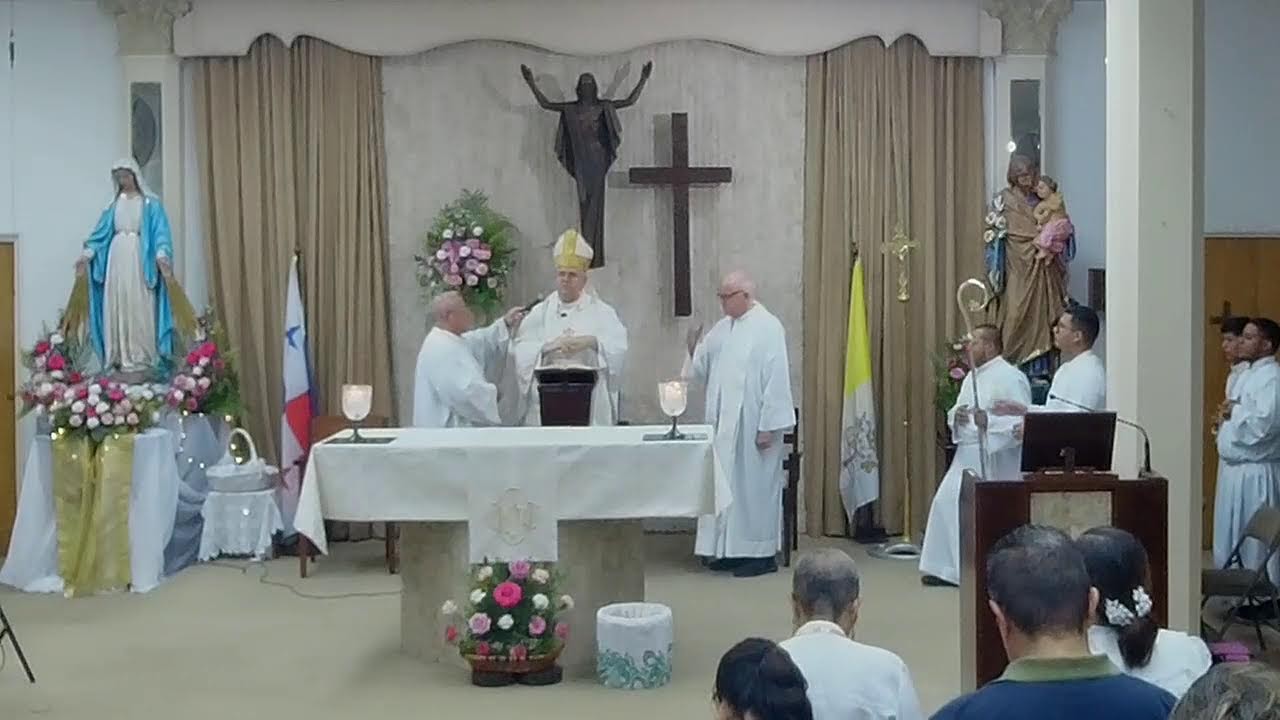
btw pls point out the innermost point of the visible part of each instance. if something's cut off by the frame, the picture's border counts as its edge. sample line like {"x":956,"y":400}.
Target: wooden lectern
{"x":565,"y":395}
{"x":1073,"y":500}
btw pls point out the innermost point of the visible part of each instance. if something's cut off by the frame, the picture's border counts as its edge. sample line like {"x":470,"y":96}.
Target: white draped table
{"x":32,"y":564}
{"x":608,"y":481}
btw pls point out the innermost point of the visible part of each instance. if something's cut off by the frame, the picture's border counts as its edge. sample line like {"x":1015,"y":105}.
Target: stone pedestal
{"x":603,"y":563}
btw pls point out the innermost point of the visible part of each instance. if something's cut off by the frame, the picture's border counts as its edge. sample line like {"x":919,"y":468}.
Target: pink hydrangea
{"x":507,"y":595}
{"x":537,"y":626}
{"x":519,"y":569}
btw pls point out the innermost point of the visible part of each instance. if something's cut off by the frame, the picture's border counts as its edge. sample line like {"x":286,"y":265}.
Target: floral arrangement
{"x":206,"y":381}
{"x":54,"y":365}
{"x":469,"y":249}
{"x":949,"y":371}
{"x":101,"y":406}
{"x":513,"y":613}
{"x":997,"y":230}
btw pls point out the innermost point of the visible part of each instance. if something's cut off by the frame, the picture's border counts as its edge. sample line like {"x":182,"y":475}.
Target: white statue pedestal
{"x":603,"y":563}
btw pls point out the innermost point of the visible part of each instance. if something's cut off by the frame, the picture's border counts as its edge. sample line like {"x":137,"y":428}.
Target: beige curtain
{"x":894,"y":138}
{"x":292,"y":159}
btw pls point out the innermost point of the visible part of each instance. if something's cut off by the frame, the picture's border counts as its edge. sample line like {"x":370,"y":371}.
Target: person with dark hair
{"x":997,"y":381}
{"x":1223,"y":537}
{"x":1123,"y":627}
{"x":1249,"y":447}
{"x":846,"y":678}
{"x":1232,"y":691}
{"x":756,"y":680}
{"x":1039,"y":591}
{"x":1081,"y":381}
{"x":1232,"y":332}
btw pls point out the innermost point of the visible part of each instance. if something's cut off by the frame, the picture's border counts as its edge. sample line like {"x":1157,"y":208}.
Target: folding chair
{"x":1246,"y":585}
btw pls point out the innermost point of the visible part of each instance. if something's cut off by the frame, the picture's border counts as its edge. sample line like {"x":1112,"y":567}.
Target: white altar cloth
{"x":604,"y":473}
{"x":32,"y":564}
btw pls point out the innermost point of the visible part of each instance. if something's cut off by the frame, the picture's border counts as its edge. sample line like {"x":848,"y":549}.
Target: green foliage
{"x":470,"y":248}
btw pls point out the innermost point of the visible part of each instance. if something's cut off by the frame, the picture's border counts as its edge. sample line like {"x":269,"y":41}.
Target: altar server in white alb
{"x":1080,"y":384}
{"x":998,"y":382}
{"x":743,"y":363}
{"x":450,"y":384}
{"x":1249,"y":446}
{"x":572,"y":328}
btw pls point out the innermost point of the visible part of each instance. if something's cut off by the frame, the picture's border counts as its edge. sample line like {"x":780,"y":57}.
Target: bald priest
{"x":571,"y":328}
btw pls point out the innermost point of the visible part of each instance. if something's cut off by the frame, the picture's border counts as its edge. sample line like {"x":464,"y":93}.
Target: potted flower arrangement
{"x":205,"y":381}
{"x":949,"y":370}
{"x":100,"y":406}
{"x":510,"y":628}
{"x":468,"y":248}
{"x":53,"y":363}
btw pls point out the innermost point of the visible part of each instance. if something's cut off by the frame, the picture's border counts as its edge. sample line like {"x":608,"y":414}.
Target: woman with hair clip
{"x":1123,"y":628}
{"x":756,"y":680}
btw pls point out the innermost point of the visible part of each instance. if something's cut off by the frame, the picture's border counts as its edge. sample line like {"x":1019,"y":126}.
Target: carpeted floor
{"x":215,"y":641}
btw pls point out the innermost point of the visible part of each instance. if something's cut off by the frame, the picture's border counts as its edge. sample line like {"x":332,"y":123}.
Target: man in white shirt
{"x":1232,"y":337}
{"x":743,"y":363}
{"x":450,"y":387}
{"x":997,"y":382}
{"x":846,"y":678}
{"x":1081,"y":380}
{"x":572,"y":328}
{"x":1249,"y":446}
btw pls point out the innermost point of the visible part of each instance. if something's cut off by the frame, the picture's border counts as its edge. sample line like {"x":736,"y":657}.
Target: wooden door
{"x":8,"y":407}
{"x":1239,"y":279}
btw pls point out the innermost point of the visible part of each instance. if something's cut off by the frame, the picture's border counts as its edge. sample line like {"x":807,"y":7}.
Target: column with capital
{"x":1019,"y":87}
{"x":155,"y":129}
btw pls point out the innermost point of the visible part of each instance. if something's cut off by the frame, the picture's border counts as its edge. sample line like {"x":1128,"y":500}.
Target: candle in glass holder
{"x":357,"y":401}
{"x":673,"y":396}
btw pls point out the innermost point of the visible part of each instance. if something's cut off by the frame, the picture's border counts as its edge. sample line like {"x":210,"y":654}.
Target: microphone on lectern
{"x":1146,"y":439}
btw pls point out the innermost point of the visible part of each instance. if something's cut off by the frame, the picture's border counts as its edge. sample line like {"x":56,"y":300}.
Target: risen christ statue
{"x":587,"y":144}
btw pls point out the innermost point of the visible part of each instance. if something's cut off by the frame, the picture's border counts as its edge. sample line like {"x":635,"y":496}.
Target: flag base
{"x":896,"y":549}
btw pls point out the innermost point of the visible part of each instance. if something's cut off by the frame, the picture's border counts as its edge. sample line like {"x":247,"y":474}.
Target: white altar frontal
{"x":590,"y":486}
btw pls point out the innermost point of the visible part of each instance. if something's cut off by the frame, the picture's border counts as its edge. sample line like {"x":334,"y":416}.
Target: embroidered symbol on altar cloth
{"x":512,"y":516}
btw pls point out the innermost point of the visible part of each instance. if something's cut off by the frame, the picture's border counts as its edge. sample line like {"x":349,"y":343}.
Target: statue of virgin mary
{"x":128,"y":258}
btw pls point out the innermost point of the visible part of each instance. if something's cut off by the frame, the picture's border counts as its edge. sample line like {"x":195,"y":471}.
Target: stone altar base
{"x":602,"y":560}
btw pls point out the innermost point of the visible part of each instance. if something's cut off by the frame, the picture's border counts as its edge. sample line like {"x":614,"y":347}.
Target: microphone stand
{"x":1146,"y":439}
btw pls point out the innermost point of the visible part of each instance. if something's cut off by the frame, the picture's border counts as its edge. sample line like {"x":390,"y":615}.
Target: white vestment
{"x":743,"y":363}
{"x":1082,"y":380}
{"x":1249,"y":475}
{"x":997,"y":380}
{"x":851,"y":681}
{"x":1233,"y":378}
{"x":1177,"y":659}
{"x":552,"y":318}
{"x":128,"y":309}
{"x":450,"y":388}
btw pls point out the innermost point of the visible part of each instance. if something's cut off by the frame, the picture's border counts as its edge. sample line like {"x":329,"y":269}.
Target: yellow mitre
{"x":572,"y":251}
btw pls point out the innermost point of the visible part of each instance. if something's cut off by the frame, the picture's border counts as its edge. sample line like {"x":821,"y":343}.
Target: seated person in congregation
{"x":1081,"y":380}
{"x":1040,"y":593}
{"x":998,"y":381}
{"x":846,"y":678}
{"x":450,"y":384}
{"x":756,"y":680}
{"x":1232,"y":691}
{"x":1123,"y":627}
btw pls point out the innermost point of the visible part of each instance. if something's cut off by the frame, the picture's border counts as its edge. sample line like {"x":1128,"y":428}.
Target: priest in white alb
{"x":571,"y":328}
{"x":451,"y":385}
{"x":1080,"y":383}
{"x":743,"y":363}
{"x":1249,"y":447}
{"x":997,"y":382}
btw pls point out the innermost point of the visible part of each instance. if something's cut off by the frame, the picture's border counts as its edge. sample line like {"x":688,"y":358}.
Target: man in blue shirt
{"x":1040,"y":594}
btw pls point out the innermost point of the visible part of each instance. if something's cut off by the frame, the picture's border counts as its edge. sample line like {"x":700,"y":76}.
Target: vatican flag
{"x":859,"y":456}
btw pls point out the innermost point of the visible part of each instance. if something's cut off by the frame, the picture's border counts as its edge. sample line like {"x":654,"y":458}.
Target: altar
{"x":606,"y":480}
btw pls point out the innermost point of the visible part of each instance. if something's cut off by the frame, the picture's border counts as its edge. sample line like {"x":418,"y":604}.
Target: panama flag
{"x":295,"y":425}
{"x":859,"y":455}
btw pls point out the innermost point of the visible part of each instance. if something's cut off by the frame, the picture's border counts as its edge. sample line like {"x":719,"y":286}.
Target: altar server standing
{"x":1249,"y":447}
{"x":450,"y":387}
{"x":998,"y":382}
{"x":573,"y":327}
{"x":743,"y":363}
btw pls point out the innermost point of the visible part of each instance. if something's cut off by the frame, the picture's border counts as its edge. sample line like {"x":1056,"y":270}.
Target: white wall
{"x":63,"y":126}
{"x":1242,"y":112}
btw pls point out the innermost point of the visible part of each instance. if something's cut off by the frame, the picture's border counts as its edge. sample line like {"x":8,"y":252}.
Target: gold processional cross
{"x":900,"y":247}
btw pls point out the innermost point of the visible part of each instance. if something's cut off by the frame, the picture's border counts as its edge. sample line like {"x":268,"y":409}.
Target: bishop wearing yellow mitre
{"x":571,"y":328}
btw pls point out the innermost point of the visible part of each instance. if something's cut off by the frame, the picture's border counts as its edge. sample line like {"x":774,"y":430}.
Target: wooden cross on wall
{"x":679,"y":175}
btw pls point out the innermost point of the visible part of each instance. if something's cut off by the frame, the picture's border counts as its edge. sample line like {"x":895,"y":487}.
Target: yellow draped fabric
{"x":91,"y":487}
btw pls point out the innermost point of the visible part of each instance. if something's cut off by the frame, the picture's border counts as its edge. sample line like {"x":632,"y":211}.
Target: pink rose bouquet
{"x":515,"y":611}
{"x":469,"y":249}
